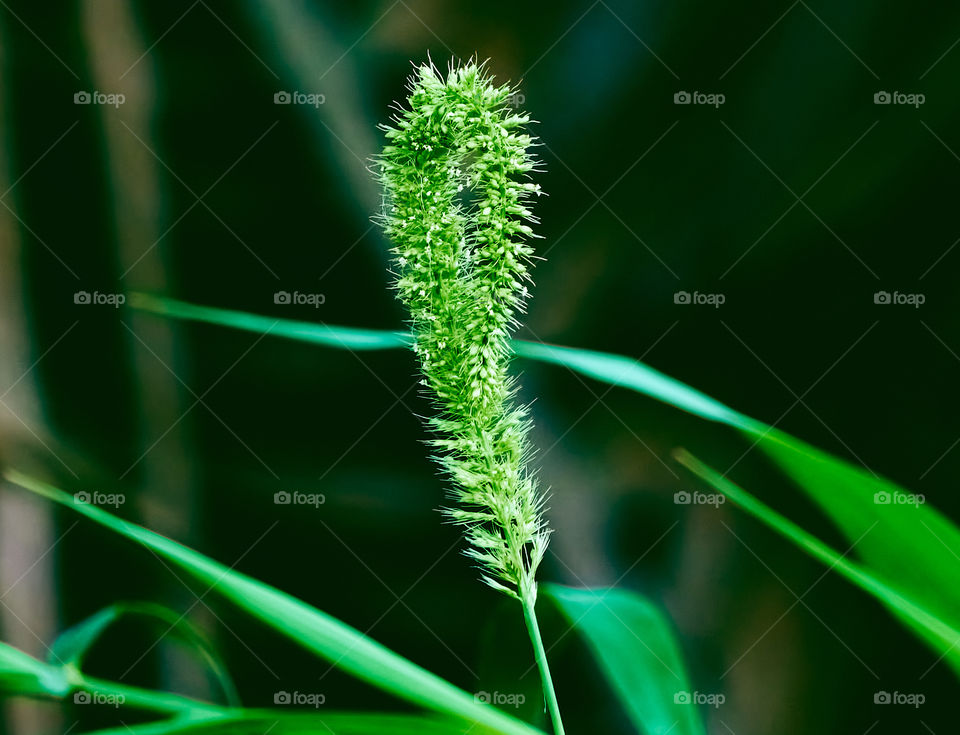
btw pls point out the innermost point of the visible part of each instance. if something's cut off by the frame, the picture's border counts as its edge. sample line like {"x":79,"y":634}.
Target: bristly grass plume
{"x":455,"y":175}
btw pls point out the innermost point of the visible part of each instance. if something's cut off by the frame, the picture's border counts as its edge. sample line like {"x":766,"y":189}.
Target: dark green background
{"x":685,"y":192}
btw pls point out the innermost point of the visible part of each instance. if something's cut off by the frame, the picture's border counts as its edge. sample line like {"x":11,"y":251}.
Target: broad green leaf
{"x":637,"y":652}
{"x":72,"y":645}
{"x":320,"y":633}
{"x":912,"y":609}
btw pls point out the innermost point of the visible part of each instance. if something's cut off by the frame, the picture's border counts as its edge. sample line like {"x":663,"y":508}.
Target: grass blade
{"x":341,"y":337}
{"x":909,"y":545}
{"x":902,"y":539}
{"x":320,"y":633}
{"x":636,"y":650}
{"x":913,"y":610}
{"x":258,"y":722}
{"x":72,"y":645}
{"x":22,"y":674}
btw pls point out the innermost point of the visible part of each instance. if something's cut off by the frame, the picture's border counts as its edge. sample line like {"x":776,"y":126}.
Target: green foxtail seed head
{"x":455,"y":178}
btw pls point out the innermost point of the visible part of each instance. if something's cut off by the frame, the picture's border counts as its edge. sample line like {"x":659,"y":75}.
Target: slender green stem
{"x":541,"y":656}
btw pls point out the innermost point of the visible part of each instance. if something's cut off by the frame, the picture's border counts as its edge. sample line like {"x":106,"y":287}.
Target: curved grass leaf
{"x":637,"y":652}
{"x":908,"y":542}
{"x":342,"y":337}
{"x":903,"y":541}
{"x":320,"y":633}
{"x":614,"y":369}
{"x":72,"y":645}
{"x":22,"y":674}
{"x":913,"y":610}
{"x":626,"y":372}
{"x":259,"y":722}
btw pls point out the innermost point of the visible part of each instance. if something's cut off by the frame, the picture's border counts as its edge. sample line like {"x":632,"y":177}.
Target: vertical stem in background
{"x":27,"y":529}
{"x":541,"y":657}
{"x":136,"y":198}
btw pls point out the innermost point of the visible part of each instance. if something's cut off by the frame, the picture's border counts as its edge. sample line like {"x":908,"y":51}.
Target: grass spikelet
{"x":455,"y":173}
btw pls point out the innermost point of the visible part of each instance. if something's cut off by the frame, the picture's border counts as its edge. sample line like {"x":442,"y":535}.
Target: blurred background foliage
{"x":797,"y":199}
